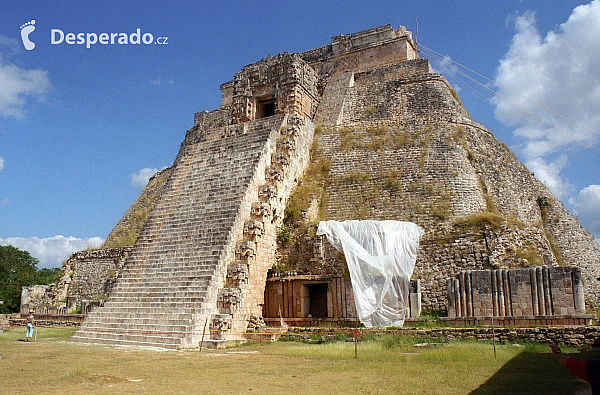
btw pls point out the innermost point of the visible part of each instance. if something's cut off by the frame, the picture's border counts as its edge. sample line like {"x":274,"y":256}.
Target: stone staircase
{"x":330,"y":110}
{"x":169,"y":282}
{"x":240,"y":300}
{"x":188,"y":278}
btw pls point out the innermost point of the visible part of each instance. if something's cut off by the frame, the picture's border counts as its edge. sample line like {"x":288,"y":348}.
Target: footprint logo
{"x":26,"y":29}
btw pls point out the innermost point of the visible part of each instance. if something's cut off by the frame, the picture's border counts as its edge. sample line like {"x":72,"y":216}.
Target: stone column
{"x":500,"y":287}
{"x":451,"y":298}
{"x":459,"y":312}
{"x":415,"y":298}
{"x":546,"y":279}
{"x":540,"y":289}
{"x":578,"y":296}
{"x":534,"y":291}
{"x":468,"y":294}
{"x":463,"y":297}
{"x":507,"y":296}
{"x":494,"y":294}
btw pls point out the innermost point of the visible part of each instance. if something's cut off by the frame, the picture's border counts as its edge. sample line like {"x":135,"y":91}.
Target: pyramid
{"x":361,"y":128}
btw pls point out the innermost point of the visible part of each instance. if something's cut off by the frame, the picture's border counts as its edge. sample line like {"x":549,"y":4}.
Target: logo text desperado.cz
{"x":57,"y":36}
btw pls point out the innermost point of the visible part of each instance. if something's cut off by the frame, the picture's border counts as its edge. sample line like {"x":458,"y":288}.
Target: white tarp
{"x":381,"y":258}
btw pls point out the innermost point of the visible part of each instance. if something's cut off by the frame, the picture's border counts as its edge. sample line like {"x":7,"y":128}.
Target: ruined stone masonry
{"x":537,"y":293}
{"x":360,"y":128}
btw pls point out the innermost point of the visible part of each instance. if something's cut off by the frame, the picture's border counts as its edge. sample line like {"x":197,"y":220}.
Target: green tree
{"x":17,"y":269}
{"x":49,"y":276}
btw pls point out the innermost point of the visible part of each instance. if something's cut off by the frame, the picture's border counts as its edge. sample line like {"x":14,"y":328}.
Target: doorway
{"x":266,"y":107}
{"x":317,"y":294}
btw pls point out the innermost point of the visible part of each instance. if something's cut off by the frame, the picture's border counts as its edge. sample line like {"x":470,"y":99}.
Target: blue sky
{"x":81,"y":129}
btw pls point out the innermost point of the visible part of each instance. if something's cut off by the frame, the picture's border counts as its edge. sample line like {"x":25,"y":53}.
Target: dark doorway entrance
{"x":318,"y":300}
{"x":266,"y":107}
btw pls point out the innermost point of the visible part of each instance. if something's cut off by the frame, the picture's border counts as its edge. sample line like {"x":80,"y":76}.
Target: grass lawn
{"x":388,"y":365}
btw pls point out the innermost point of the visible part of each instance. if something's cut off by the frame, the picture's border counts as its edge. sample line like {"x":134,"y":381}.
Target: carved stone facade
{"x":277,"y":84}
{"x":531,"y":292}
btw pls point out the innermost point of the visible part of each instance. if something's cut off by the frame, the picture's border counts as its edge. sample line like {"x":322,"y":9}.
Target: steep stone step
{"x":135,"y":304}
{"x":138,"y":327}
{"x":175,"y":280}
{"x":161,"y":292}
{"x":124,"y":308}
{"x":125,"y":339}
{"x":160,"y":300}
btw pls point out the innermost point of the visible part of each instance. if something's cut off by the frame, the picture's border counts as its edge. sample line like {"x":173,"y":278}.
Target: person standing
{"x":30,"y":324}
{"x":588,"y":370}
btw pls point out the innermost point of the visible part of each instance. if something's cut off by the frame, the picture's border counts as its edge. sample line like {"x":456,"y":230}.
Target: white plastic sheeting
{"x":381,"y":258}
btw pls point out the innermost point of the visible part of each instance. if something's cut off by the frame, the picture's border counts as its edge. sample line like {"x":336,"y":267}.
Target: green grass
{"x":387,"y":364}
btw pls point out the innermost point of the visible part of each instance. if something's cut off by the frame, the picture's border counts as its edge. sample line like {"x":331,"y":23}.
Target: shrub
{"x":284,"y":235}
{"x":482,"y":219}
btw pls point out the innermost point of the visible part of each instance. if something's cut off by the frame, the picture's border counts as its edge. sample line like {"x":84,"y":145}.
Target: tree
{"x":17,"y":269}
{"x":49,"y":276}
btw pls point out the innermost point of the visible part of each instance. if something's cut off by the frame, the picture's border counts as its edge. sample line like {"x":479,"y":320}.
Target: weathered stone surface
{"x":531,"y":292}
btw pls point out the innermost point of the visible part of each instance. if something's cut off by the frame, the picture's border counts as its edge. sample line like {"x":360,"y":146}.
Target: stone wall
{"x":302,"y":299}
{"x":571,"y":336}
{"x":87,"y":275}
{"x":413,"y":100}
{"x":395,"y":71}
{"x":362,"y":50}
{"x":36,"y":295}
{"x":93,"y":273}
{"x":539,"y":291}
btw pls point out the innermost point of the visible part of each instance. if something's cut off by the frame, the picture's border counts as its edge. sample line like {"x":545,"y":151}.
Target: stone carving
{"x":276,"y":84}
{"x":253,"y":228}
{"x":237,"y":273}
{"x":292,"y":131}
{"x":228,"y":297}
{"x":274,"y":174}
{"x":287,"y":144}
{"x":255,"y":322}
{"x":221,"y":322}
{"x":268,"y":192}
{"x":280,"y":159}
{"x":261,"y":209}
{"x":295,"y":120}
{"x":245,"y":250}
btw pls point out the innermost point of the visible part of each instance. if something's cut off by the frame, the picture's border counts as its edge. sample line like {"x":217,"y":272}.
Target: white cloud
{"x":549,"y":174}
{"x":51,"y":251}
{"x":11,"y":43}
{"x":142,"y":177}
{"x":5,"y":201}
{"x":18,"y":83}
{"x":587,"y":209}
{"x":1,"y":163}
{"x":547,"y":76}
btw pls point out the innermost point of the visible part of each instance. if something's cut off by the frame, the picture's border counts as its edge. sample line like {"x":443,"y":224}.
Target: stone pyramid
{"x":360,"y":128}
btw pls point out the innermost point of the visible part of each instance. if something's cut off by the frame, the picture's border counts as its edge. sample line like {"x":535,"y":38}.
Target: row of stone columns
{"x":536,"y":291}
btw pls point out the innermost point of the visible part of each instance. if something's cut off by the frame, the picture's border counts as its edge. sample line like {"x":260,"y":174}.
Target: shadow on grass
{"x":534,"y":373}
